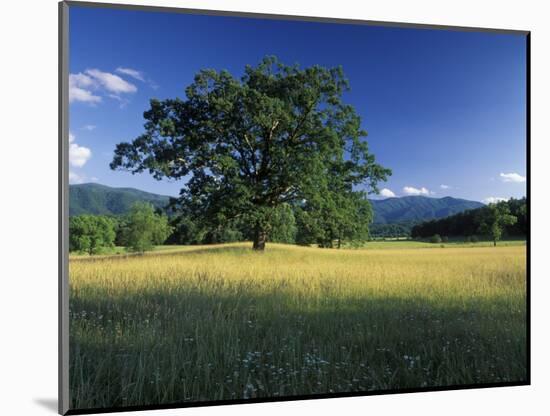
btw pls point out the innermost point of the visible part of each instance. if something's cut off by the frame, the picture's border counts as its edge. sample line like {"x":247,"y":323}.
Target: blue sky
{"x":444,"y":110}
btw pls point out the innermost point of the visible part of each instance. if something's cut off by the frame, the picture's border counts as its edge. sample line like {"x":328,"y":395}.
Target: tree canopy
{"x":142,"y":228}
{"x":505,"y":217}
{"x":278,"y":135}
{"x":495,"y":218}
{"x":91,"y":233}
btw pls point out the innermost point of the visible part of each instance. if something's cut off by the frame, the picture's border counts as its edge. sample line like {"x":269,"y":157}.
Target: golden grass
{"x":222,"y":322}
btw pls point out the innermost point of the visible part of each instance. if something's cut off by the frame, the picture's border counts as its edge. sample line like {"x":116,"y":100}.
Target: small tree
{"x":91,"y":233}
{"x":143,"y":228}
{"x":495,"y":218}
{"x":436,"y":239}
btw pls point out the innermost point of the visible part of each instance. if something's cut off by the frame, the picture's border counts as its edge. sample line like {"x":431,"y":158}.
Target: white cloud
{"x":139,"y":75}
{"x":385,"y":192}
{"x":81,"y":80}
{"x":512,"y":177}
{"x":78,"y":94}
{"x":78,"y":155}
{"x":410,"y":190}
{"x":86,"y":87}
{"x":111,"y":82}
{"x":442,"y":186}
{"x":80,"y":86}
{"x":494,"y":199}
{"x":89,"y":127}
{"x":134,"y":73}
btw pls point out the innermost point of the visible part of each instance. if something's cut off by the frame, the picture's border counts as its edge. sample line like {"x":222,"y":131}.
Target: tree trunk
{"x":260,"y":236}
{"x":494,"y":243}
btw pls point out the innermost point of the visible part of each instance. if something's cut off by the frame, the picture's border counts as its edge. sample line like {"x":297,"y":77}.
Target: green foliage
{"x":222,"y":234}
{"x":91,"y":233}
{"x":185,"y":231}
{"x":495,"y":218}
{"x":188,"y":229}
{"x":518,"y":208}
{"x":436,"y":239}
{"x":283,"y":225}
{"x":142,"y":228}
{"x":278,"y":135}
{"x":480,"y":220}
{"x":468,"y":239}
{"x":392,"y":216}
{"x":389,"y":230}
{"x":334,"y":218}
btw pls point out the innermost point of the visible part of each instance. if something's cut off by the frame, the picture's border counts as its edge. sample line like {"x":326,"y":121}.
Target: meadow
{"x":204,"y":323}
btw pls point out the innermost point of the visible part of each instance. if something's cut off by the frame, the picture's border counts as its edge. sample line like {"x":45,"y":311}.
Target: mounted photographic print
{"x":265,"y":208}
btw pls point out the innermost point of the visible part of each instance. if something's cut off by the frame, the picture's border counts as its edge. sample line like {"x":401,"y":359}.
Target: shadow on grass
{"x":186,"y":345}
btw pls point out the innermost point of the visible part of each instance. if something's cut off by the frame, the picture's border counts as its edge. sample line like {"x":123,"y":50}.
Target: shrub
{"x":436,"y":239}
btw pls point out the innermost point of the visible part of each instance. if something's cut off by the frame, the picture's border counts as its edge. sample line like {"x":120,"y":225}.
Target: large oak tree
{"x":279,"y":134}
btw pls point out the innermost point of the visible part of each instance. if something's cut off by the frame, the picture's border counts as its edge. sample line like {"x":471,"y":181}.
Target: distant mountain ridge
{"x":93,"y":198}
{"x":418,"y":208}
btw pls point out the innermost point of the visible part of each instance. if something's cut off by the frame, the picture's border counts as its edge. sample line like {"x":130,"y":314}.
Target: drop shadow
{"x":48,"y":404}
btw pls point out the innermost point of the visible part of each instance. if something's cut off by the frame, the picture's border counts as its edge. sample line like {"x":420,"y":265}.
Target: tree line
{"x":288,"y":223}
{"x":494,"y":220}
{"x":139,"y":230}
{"x":144,"y":227}
{"x":393,"y":230}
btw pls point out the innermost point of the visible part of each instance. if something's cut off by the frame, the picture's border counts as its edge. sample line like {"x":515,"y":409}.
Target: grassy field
{"x":386,"y":244}
{"x":374,"y":244}
{"x":224,"y":322}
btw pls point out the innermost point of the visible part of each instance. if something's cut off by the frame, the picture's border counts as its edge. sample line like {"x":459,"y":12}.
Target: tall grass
{"x":224,"y":322}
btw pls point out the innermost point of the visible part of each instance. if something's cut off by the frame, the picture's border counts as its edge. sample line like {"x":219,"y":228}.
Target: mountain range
{"x":409,"y":209}
{"x":93,"y":198}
